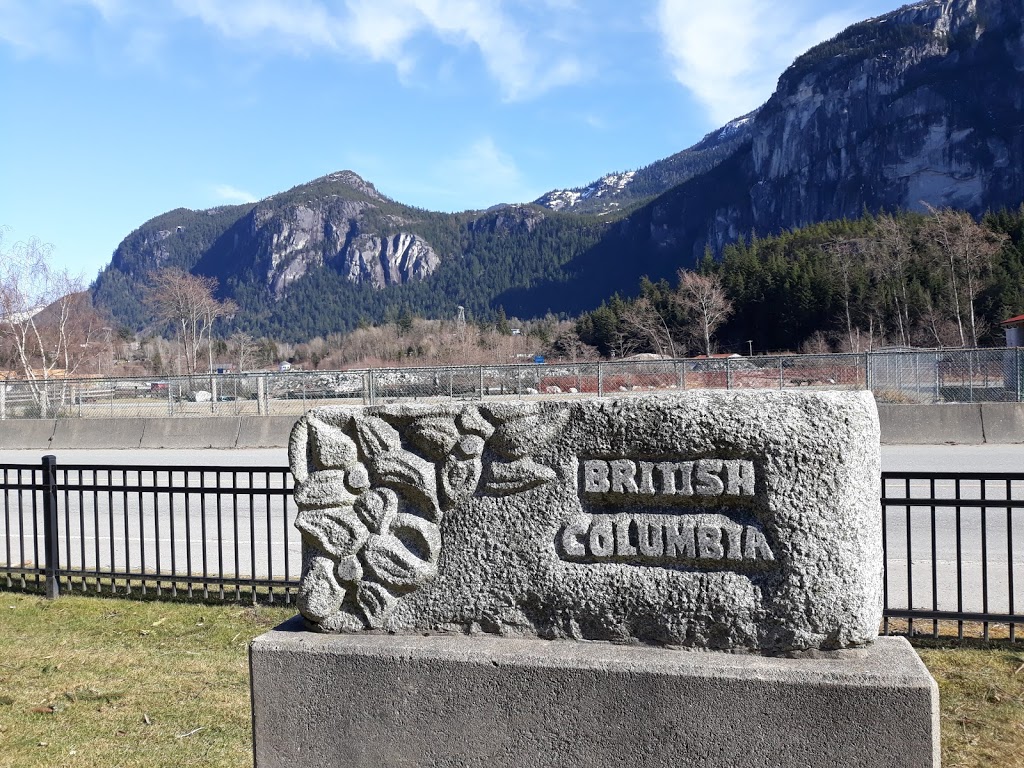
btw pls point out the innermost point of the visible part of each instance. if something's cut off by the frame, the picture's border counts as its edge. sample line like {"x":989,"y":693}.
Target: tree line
{"x":933,"y":279}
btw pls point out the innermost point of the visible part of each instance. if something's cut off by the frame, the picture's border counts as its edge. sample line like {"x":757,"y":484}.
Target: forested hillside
{"x":936,"y":279}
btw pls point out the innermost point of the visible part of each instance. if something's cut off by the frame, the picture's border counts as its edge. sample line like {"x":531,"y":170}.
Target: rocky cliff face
{"x":921,"y":107}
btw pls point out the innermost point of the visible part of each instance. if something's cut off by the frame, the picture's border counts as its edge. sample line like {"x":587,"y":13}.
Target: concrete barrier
{"x":1003,"y":422}
{"x":26,"y":433}
{"x":931,"y":424}
{"x":98,"y":433}
{"x":212,"y":432}
{"x":265,"y":431}
{"x":961,"y":423}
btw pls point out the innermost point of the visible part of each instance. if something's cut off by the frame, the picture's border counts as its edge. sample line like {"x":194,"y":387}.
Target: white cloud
{"x":518,"y":51}
{"x":730,"y":53}
{"x":230,"y":194}
{"x":483,"y":175}
{"x":384,"y":28}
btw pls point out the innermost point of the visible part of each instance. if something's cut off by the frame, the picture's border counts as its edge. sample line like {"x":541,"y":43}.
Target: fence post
{"x":600,"y":379}
{"x":51,"y":541}
{"x":481,"y":382}
{"x":938,"y":383}
{"x":3,"y":400}
{"x":261,"y":392}
{"x":213,"y":394}
{"x":867,"y":371}
{"x":728,"y":374}
{"x":1017,"y":363}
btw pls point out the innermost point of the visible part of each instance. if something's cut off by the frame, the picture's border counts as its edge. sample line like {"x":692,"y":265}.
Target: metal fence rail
{"x":903,"y":376}
{"x":954,"y":548}
{"x":202,"y":532}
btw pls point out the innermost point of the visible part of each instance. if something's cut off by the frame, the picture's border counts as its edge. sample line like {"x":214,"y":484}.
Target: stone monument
{"x":518,"y":583}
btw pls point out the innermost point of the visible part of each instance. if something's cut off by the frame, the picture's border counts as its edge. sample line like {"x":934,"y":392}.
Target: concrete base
{"x":403,"y":701}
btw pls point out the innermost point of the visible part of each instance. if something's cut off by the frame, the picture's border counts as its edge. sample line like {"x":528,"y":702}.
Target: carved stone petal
{"x":349,"y":569}
{"x":391,"y":562}
{"x":323,"y":489}
{"x":376,"y":437}
{"x":435,"y":436}
{"x":521,"y":435}
{"x":412,"y":476}
{"x":377,"y":508}
{"x":375,"y":601}
{"x":420,"y":536}
{"x":472,"y":422}
{"x":471,"y":446}
{"x":320,"y":594}
{"x":331,"y":447}
{"x":336,"y":532}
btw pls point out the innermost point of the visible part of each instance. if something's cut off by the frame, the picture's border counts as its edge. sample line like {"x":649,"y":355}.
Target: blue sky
{"x":114,"y":111}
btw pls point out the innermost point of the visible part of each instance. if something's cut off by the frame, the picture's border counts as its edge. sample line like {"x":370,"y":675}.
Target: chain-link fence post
{"x":3,"y":400}
{"x":1017,"y":368}
{"x":728,"y":373}
{"x":938,"y":382}
{"x":867,"y":372}
{"x":481,"y":373}
{"x":600,"y":379}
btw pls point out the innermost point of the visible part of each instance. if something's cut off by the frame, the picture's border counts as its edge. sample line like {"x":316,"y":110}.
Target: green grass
{"x":106,"y":682}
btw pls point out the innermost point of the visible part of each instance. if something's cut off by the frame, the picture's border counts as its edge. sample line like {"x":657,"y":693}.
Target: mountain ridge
{"x":921,"y":105}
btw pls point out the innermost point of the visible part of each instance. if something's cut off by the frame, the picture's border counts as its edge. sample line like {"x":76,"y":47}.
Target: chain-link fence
{"x":895,"y":376}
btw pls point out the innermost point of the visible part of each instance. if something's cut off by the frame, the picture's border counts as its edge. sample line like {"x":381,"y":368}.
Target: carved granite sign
{"x":739,"y":521}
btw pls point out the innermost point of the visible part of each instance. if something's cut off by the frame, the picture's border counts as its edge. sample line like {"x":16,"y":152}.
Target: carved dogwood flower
{"x":366,"y":552}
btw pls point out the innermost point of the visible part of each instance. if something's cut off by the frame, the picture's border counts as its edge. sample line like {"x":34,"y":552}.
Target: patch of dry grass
{"x":102,"y":682}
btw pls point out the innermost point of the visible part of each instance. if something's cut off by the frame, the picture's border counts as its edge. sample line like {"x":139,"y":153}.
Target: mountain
{"x":922,"y":106}
{"x":615,"y":191}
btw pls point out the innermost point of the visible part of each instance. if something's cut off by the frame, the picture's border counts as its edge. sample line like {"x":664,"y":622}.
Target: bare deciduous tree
{"x":643,"y":322}
{"x":187,"y":301}
{"x":46,"y":320}
{"x":966,"y":249}
{"x":702,"y":298}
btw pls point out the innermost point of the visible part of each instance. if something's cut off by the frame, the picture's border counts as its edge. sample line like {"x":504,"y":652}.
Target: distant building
{"x":1014,"y":328}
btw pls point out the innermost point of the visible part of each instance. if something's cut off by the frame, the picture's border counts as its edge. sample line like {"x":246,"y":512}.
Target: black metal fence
{"x":206,"y":532}
{"x":954,"y":550}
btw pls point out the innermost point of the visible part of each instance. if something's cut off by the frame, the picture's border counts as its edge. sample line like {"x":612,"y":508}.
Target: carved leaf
{"x":376,"y":436}
{"x":391,"y":562}
{"x":337,"y":532}
{"x":376,"y":602}
{"x":323,"y":489}
{"x":472,"y":422}
{"x":377,"y":508}
{"x":459,"y":478}
{"x":516,"y":476}
{"x":521,"y":435}
{"x":412,"y":476}
{"x":436,"y":436}
{"x":332,"y":448}
{"x":320,"y":595}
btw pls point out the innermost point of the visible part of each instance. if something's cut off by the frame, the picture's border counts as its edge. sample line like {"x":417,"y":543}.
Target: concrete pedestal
{"x":402,"y":701}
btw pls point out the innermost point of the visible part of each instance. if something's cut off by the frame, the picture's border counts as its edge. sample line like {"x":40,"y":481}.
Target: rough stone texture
{"x":402,"y":701}
{"x":558,"y":519}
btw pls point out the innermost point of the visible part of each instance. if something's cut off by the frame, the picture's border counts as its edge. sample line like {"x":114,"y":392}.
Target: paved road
{"x":257,"y":539}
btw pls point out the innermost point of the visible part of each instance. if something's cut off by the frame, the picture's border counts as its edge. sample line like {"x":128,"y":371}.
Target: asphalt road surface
{"x":247,"y":532}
